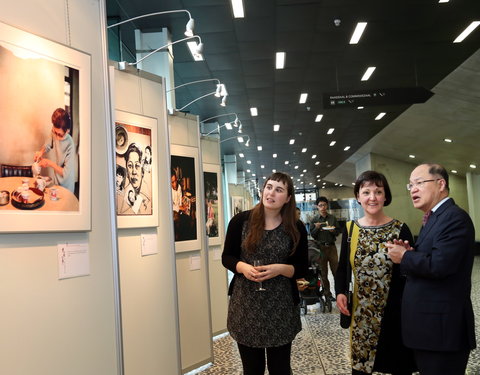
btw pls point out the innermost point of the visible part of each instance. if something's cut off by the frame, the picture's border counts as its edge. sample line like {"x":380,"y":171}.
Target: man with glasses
{"x":324,"y":229}
{"x":437,"y":314}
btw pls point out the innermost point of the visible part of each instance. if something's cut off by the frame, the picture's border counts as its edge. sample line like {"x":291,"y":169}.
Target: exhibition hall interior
{"x":134,"y":130}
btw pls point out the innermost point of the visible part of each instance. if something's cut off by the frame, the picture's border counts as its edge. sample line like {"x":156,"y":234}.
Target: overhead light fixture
{"x":296,"y":167}
{"x":276,"y":128}
{"x":466,"y":32}
{"x":454,"y":171}
{"x":122,"y":65}
{"x":274,"y":156}
{"x":368,"y":73}
{"x":443,"y":1}
{"x":304,"y":149}
{"x":188,"y":27}
{"x":473,"y":166}
{"x":314,"y":156}
{"x":227,"y":125}
{"x":241,"y":155}
{"x":330,"y":131}
{"x":259,"y":148}
{"x":292,"y":141}
{"x":318,"y":118}
{"x":357,"y":34}
{"x":240,"y":139}
{"x":361,"y":107}
{"x":249,"y":161}
{"x":332,"y":143}
{"x":237,"y":8}
{"x":286,"y":162}
{"x":303,"y":98}
{"x":411,"y":156}
{"x":199,"y":81}
{"x":448,"y":140}
{"x":262,"y":166}
{"x":346,"y":148}
{"x":280,"y":60}
{"x":317,"y":162}
{"x":380,"y":116}
{"x":254,"y":111}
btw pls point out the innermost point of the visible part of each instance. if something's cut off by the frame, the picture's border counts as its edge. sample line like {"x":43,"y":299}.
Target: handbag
{"x":345,"y":320}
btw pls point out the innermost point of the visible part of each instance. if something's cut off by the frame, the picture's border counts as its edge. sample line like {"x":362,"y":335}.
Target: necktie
{"x":425,"y":217}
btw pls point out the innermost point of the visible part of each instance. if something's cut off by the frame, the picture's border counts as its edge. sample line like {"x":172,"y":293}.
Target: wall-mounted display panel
{"x":45,"y":153}
{"x":184,"y":183}
{"x":213,"y":203}
{"x":135,"y":170}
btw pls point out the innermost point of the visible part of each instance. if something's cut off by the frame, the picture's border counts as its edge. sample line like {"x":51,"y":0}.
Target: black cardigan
{"x":232,"y":250}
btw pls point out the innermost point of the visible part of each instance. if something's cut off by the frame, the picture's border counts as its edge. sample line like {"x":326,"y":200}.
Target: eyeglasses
{"x":420,"y":184}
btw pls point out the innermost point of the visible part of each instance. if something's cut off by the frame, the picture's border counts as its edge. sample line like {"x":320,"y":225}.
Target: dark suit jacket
{"x":437,"y":313}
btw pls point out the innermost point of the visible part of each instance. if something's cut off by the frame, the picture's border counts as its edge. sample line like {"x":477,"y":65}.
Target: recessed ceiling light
{"x":332,"y":143}
{"x":304,"y":149}
{"x":324,"y":183}
{"x":453,"y":171}
{"x":249,"y":162}
{"x":443,"y":1}
{"x":241,"y":155}
{"x":361,"y":107}
{"x":301,"y":175}
{"x":253,"y":174}
{"x":357,"y":34}
{"x":298,"y":180}
{"x":237,"y":7}
{"x":411,"y":156}
{"x":280,"y":60}
{"x":336,"y":183}
{"x":296,"y":167}
{"x":380,"y":116}
{"x":466,"y":32}
{"x":286,"y":162}
{"x":248,"y":170}
{"x":448,"y":140}
{"x":254,"y":111}
{"x":264,"y":177}
{"x":318,"y":118}
{"x":314,"y":156}
{"x":346,"y":148}
{"x":330,"y":131}
{"x":240,"y":139}
{"x":319,"y":180}
{"x":368,"y":73}
{"x":317,"y":162}
{"x":473,"y":166}
{"x":193,"y":47}
{"x":274,"y":155}
{"x":259,"y":148}
{"x":292,"y":141}
{"x":262,"y":166}
{"x":304,"y":171}
{"x":303,"y":98}
{"x":276,"y":128}
{"x":274,"y":170}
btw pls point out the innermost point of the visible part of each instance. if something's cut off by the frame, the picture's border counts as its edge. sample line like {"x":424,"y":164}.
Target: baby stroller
{"x":313,"y":293}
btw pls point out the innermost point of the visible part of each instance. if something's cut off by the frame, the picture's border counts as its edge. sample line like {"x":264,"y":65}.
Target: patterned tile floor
{"x":321,"y":348}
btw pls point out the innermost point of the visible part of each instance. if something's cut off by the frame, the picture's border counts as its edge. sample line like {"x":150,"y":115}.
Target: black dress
{"x":270,"y":318}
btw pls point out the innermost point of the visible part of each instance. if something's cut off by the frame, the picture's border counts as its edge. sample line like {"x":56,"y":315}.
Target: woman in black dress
{"x":268,"y":320}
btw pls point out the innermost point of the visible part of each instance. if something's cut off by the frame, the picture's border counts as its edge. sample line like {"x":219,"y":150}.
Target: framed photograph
{"x":213,"y":203}
{"x":184,"y":184}
{"x":45,"y":153}
{"x":135,"y":170}
{"x":237,"y":205}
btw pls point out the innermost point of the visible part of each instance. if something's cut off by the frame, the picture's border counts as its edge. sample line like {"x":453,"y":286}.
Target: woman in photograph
{"x":376,"y":342}
{"x":264,"y":312}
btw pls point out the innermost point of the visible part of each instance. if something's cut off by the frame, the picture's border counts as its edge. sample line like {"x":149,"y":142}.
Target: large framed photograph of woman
{"x":184,"y":184}
{"x":45,"y":157}
{"x":213,"y":203}
{"x":135,"y":170}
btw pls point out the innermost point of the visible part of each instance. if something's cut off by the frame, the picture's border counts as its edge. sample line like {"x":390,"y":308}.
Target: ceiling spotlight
{"x":224,"y":101}
{"x":189,"y":27}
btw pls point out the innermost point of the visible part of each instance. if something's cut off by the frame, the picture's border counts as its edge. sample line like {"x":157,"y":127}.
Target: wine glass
{"x":260,"y":288}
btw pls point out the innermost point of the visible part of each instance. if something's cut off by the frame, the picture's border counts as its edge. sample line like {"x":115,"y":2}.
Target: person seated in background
{"x":63,"y":150}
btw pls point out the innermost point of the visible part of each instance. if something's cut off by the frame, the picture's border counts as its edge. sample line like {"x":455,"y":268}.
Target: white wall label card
{"x":194,"y":262}
{"x":73,"y":260}
{"x":149,"y":244}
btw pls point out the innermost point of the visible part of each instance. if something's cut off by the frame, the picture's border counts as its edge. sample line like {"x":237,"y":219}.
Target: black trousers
{"x":253,"y":360}
{"x":445,"y":363}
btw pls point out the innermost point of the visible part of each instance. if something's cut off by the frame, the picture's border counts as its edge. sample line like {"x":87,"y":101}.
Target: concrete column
{"x":161,"y":62}
{"x":473,"y":192}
